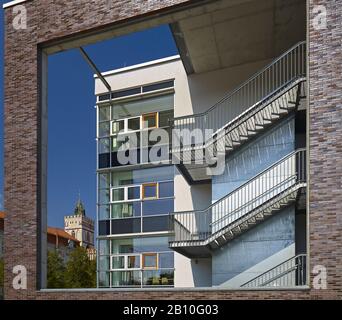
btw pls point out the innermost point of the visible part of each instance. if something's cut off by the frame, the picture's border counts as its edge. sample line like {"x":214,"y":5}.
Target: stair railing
{"x":287,"y":67}
{"x":289,"y":273}
{"x":198,"y":225}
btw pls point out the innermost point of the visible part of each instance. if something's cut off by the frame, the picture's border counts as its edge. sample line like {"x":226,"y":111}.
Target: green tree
{"x":80,"y":271}
{"x":55,"y":270}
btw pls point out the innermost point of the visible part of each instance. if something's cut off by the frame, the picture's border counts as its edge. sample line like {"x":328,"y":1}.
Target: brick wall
{"x":50,"y":20}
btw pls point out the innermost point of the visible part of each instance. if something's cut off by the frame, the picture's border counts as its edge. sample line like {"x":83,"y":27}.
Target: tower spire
{"x":79,"y":209}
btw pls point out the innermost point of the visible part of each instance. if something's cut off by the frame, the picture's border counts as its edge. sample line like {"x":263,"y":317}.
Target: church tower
{"x":80,"y":226}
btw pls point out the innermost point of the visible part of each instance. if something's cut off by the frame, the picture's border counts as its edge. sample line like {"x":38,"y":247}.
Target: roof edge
{"x":140,"y":66}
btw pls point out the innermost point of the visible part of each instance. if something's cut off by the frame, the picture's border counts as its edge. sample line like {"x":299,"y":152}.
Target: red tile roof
{"x":61,"y":234}
{"x":2,"y":215}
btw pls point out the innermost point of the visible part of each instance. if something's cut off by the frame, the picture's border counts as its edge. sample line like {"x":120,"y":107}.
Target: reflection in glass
{"x":126,"y":278}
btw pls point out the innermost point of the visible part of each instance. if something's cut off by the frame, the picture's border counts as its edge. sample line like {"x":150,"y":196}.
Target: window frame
{"x":149,"y":184}
{"x":156,"y":117}
{"x":150,"y":254}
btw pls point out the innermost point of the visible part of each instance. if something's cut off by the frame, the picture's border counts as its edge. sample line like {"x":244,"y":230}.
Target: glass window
{"x":104,"y":196}
{"x":166,"y":260}
{"x":118,"y":194}
{"x":122,"y":178}
{"x":157,"y":207}
{"x":104,"y":180}
{"x":164,"y":118}
{"x":150,"y":120}
{"x":150,"y":191}
{"x":156,"y":223}
{"x":125,"y":210}
{"x":150,"y":261}
{"x":133,"y":123}
{"x":104,"y":212}
{"x":104,"y":129}
{"x":104,"y":281}
{"x":126,"y":278}
{"x":166,"y":189}
{"x":158,"y":277}
{"x":140,"y":245}
{"x":104,"y":97}
{"x":104,"y":113}
{"x":126,"y":92}
{"x":133,"y":262}
{"x":104,"y":146}
{"x":158,"y":86}
{"x":130,"y":225}
{"x":118,"y":262}
{"x":104,"y":263}
{"x":158,"y":174}
{"x":117,"y":126}
{"x":125,"y":109}
{"x":133,"y":193}
{"x":104,"y":247}
{"x":104,"y":228}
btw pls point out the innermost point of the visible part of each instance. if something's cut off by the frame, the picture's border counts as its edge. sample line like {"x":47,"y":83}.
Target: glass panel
{"x":104,"y":113}
{"x":150,"y":261}
{"x":155,"y":224}
{"x":166,"y":260}
{"x":133,"y":193}
{"x":157,"y":207}
{"x":122,"y":178}
{"x":104,"y":129}
{"x":130,"y":225}
{"x":140,"y":245}
{"x":118,"y":262}
{"x":125,"y":210}
{"x":158,"y":174}
{"x":150,"y":190}
{"x":166,"y":189}
{"x":104,"y":247}
{"x":104,"y":196}
{"x":126,"y":109}
{"x":104,"y":213}
{"x":126,"y":278}
{"x":133,"y":262}
{"x":134,"y":124}
{"x":164,"y":118}
{"x":126,"y":92}
{"x":118,"y":194}
{"x":104,"y":281}
{"x":117,"y":126}
{"x":104,"y":228}
{"x":104,"y":263}
{"x":158,"y":86}
{"x":104,"y":97}
{"x":150,"y":120}
{"x":158,"y":277}
{"x":104,"y":146}
{"x":104,"y":180}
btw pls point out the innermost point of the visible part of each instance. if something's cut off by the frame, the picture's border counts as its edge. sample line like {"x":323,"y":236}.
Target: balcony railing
{"x":290,"y":66}
{"x":290,"y":273}
{"x":202,"y":224}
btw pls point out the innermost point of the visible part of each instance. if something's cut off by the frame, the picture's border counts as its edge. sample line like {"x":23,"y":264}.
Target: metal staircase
{"x":268,"y":96}
{"x":289,"y":273}
{"x":198,"y":233}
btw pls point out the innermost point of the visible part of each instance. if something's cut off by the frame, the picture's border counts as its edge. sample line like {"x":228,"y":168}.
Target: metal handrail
{"x":271,"y":182}
{"x":299,"y":257}
{"x":248,"y":81}
{"x":277,"y":186}
{"x":244,"y":184}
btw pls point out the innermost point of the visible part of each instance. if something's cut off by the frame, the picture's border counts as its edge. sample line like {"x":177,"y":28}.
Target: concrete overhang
{"x":228,"y":33}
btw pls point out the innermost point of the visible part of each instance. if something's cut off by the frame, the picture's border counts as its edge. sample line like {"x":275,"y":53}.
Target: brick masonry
{"x":50,"y":20}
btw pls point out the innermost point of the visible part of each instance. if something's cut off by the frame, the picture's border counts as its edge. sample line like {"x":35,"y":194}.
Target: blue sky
{"x":72,"y":123}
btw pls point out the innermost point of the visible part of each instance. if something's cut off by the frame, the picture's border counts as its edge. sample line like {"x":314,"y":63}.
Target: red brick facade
{"x":56,"y":20}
